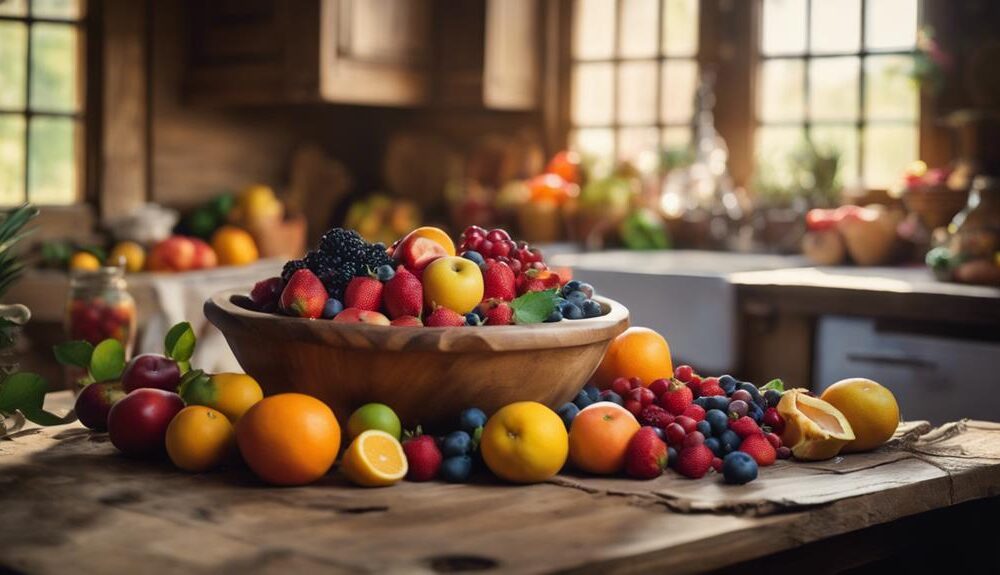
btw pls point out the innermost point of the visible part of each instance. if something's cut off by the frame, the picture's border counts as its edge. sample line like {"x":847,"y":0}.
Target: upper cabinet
{"x":483,"y":53}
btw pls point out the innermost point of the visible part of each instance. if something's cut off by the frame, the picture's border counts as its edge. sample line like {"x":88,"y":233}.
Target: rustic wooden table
{"x":70,"y":502}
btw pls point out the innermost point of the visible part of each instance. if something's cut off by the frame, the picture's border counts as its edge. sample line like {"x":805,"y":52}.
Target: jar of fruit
{"x":100,"y":307}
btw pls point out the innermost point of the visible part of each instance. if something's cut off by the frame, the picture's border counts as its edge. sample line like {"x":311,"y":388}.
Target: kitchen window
{"x":633,"y":75}
{"x":41,"y":95}
{"x":838,"y":72}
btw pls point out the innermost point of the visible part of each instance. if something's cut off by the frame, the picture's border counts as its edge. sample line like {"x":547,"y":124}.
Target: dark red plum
{"x":151,"y":370}
{"x":94,"y":403}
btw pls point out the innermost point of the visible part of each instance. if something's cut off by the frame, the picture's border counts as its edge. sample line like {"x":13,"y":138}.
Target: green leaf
{"x":775,"y":384}
{"x":42,"y":417}
{"x":108,"y":360}
{"x":76,"y":353}
{"x":534,"y":307}
{"x":179,"y":343}
{"x":22,"y":391}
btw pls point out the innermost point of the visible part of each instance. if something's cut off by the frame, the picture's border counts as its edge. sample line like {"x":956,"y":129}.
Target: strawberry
{"x":758,"y":447}
{"x":266,"y":293}
{"x":677,"y":398}
{"x":444,"y":317}
{"x":717,"y":464}
{"x":695,"y":412}
{"x":744,"y":426}
{"x":404,"y":294}
{"x":646,"y":455}
{"x":498,"y":281}
{"x":422,"y":457}
{"x":303,"y":295}
{"x":710,"y":386}
{"x":695,"y":461}
{"x":496,"y":312}
{"x":537,"y":280}
{"x":773,"y":439}
{"x":773,"y":420}
{"x":655,"y":416}
{"x":364,"y":293}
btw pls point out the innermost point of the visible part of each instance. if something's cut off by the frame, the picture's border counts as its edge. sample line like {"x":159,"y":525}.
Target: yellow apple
{"x":453,"y":282}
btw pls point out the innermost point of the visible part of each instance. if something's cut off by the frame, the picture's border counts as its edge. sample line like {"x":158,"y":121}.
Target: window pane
{"x":680,"y":82}
{"x":633,"y":141}
{"x":891,"y":24}
{"x":784,"y":30}
{"x":594,"y":29}
{"x":888,"y":151}
{"x":52,"y":165}
{"x":775,"y":146}
{"x":11,"y":159}
{"x":676,"y":137}
{"x":53,"y":67}
{"x":835,"y":26}
{"x":844,"y":140}
{"x":889,"y":91}
{"x":781,"y":90}
{"x":637,"y":93}
{"x":13,"y":46}
{"x":14,"y":8}
{"x":593,"y":93}
{"x":833,"y":89}
{"x":62,"y":9}
{"x":680,"y":27}
{"x":637,"y":28}
{"x":595,"y":142}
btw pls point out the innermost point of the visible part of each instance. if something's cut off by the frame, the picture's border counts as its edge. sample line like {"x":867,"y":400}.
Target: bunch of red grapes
{"x":496,"y":244}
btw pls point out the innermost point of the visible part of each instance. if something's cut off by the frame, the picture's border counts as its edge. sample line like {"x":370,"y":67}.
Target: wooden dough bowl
{"x":427,"y":375}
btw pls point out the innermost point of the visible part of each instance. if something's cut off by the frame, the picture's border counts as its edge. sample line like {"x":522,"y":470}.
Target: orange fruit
{"x":870,"y":408}
{"x":84,"y":261}
{"x":289,"y":438}
{"x":524,"y":442}
{"x":638,"y":352}
{"x":234,"y":246}
{"x":599,"y":438}
{"x":436,"y":235}
{"x":374,"y":459}
{"x":199,"y":438}
{"x":814,"y":429}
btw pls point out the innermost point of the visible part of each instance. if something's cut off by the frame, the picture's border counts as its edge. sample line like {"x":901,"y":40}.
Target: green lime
{"x":374,"y":416}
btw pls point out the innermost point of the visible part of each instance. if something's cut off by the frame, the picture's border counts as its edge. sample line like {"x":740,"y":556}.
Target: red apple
{"x":204,"y":255}
{"x":416,"y":252}
{"x":138,"y":422}
{"x":174,"y":254}
{"x":151,"y":370}
{"x":95,"y":401}
{"x":355,"y":315}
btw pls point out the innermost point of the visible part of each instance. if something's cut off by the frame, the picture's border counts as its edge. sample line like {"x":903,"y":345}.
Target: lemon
{"x":132,"y":254}
{"x":525,"y":442}
{"x":374,"y":459}
{"x":234,"y":246}
{"x":84,"y":261}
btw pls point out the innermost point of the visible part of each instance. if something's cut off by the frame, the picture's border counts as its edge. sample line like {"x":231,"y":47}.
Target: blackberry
{"x":342,"y":255}
{"x":291,"y":266}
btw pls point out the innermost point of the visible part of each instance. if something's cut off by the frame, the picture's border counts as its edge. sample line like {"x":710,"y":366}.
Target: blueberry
{"x":718,"y":420}
{"x":660,"y":433}
{"x":772,"y":397}
{"x":385,"y":273}
{"x":713,"y":444}
{"x":471,"y":418}
{"x":555,"y":316}
{"x":474,"y":256}
{"x":729,"y":441}
{"x":756,"y":412}
{"x":753,"y":391}
{"x":701,"y":402}
{"x":456,"y":469}
{"x":480,"y":313}
{"x":705,"y":428}
{"x":571,"y":286}
{"x":593,"y":392}
{"x":472,"y":318}
{"x":568,"y":413}
{"x":331,"y":308}
{"x":739,"y":468}
{"x":587,"y":289}
{"x":728,"y":384}
{"x":671,"y":456}
{"x":608,"y":395}
{"x":577,"y":298}
{"x":582,"y":399}
{"x":592,"y":309}
{"x":571,"y":311}
{"x":456,"y":443}
{"x":719,"y":402}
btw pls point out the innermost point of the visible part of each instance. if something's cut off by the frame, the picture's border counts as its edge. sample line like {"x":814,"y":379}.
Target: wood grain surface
{"x":71,"y":503}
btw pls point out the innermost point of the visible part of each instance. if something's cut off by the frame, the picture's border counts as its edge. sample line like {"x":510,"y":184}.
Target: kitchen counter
{"x":71,"y":502}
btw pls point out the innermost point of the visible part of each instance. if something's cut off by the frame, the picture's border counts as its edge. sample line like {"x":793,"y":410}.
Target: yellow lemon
{"x":234,"y":246}
{"x":525,"y":442}
{"x":84,"y":261}
{"x":199,"y":438}
{"x":374,"y":459}
{"x":258,"y":202}
{"x":131,"y":253}
{"x":869,"y":407}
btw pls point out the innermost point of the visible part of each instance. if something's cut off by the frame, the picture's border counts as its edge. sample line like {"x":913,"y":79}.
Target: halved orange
{"x":374,"y":459}
{"x":436,"y":235}
{"x":814,"y":429}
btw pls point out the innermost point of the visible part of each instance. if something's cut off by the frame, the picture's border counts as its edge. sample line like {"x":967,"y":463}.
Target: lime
{"x":374,"y":416}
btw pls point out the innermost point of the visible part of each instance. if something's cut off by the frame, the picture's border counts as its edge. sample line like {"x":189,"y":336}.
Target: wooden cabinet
{"x":376,"y":52}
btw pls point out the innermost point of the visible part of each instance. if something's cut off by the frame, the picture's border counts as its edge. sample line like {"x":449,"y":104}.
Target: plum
{"x":138,"y":422}
{"x":95,"y":401}
{"x":151,"y":370}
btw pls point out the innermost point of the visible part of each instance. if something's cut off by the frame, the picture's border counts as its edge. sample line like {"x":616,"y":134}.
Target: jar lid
{"x":102,"y":275}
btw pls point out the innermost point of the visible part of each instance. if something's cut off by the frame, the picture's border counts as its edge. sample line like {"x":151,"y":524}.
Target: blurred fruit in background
{"x":256,"y":204}
{"x":208,"y":217}
{"x":180,"y":254}
{"x":128,"y":254}
{"x":566,"y":165}
{"x":84,"y":261}
{"x":643,"y":229}
{"x":380,"y":218}
{"x":234,"y":246}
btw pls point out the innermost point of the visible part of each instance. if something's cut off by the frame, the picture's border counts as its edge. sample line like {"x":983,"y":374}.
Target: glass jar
{"x":100,"y":307}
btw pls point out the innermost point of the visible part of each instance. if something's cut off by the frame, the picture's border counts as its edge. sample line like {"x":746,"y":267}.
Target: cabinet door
{"x":375,"y":51}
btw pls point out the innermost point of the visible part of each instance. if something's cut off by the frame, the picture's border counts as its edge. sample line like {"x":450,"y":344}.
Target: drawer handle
{"x":892,"y":360}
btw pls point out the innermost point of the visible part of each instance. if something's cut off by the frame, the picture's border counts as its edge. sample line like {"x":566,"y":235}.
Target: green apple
{"x":453,"y":282}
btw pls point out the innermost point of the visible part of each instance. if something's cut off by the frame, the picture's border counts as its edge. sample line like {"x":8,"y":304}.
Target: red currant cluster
{"x":496,"y":244}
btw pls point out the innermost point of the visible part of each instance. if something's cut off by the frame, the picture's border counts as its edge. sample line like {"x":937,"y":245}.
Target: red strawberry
{"x":717,"y":464}
{"x":744,"y":426}
{"x":773,"y":420}
{"x":304,"y":295}
{"x":695,"y":412}
{"x":710,"y":389}
{"x":677,"y":398}
{"x":646,"y":455}
{"x":498,"y":281}
{"x":695,"y":461}
{"x":758,"y":447}
{"x":266,"y":293}
{"x":404,"y":294}
{"x":773,"y":439}
{"x":364,"y":292}
{"x":444,"y":317}
{"x":497,"y":312}
{"x":422,"y":457}
{"x":655,"y":416}
{"x":538,"y":280}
